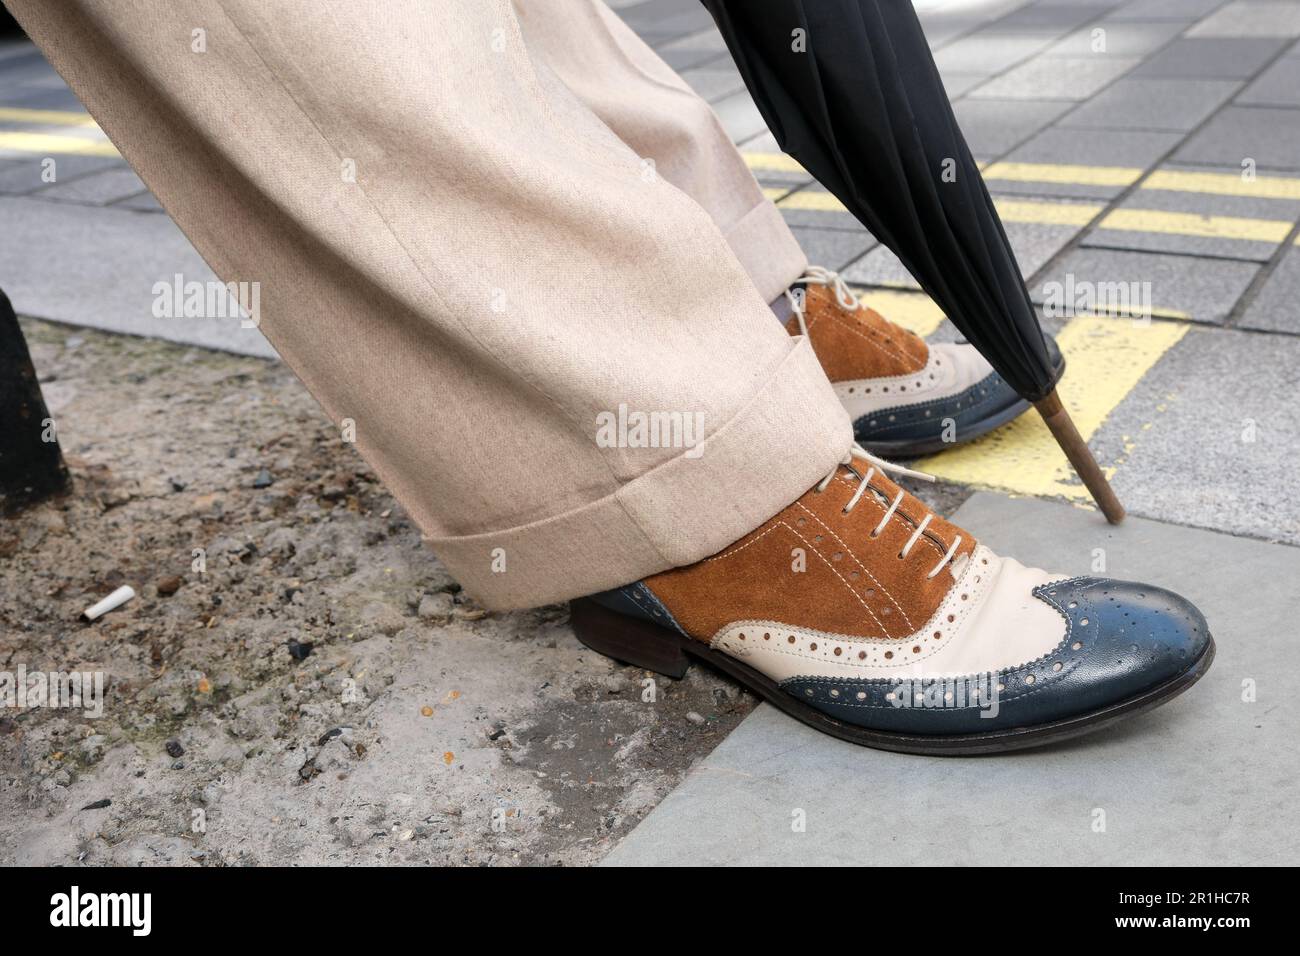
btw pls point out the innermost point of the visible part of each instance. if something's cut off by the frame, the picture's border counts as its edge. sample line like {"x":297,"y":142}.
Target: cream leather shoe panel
{"x":988,"y":621}
{"x":951,"y":368}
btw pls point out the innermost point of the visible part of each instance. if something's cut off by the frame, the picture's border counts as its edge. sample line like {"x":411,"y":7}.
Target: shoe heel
{"x":628,"y":639}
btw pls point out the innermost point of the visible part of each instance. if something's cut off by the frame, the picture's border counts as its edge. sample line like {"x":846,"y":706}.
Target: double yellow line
{"x":1081,"y":213}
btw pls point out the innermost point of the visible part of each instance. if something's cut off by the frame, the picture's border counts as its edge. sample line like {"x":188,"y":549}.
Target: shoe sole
{"x":642,"y":644}
{"x":930,"y":446}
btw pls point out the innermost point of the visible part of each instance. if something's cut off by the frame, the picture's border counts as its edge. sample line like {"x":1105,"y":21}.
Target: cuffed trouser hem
{"x":767,"y":249}
{"x":789,"y":436}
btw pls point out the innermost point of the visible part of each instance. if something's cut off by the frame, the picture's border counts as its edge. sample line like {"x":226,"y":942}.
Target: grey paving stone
{"x":1033,"y":243}
{"x":1155,"y":776}
{"x":144,"y":202}
{"x":959,"y":84}
{"x":660,"y":18}
{"x":1178,"y":10}
{"x":1279,"y":85}
{"x":703,"y":48}
{"x":1152,"y":104}
{"x":31,"y":97}
{"x":1277,"y":306}
{"x":97,"y":267}
{"x":1251,"y":18}
{"x":1183,"y":433}
{"x":1057,"y":78}
{"x":1222,"y":58}
{"x":1204,"y":290}
{"x":99,"y":189}
{"x":1040,"y":17}
{"x":1056,"y":145}
{"x":992,"y":127}
{"x":1116,"y":39}
{"x":1271,"y":137}
{"x":1200,"y":204}
{"x":834,"y":248}
{"x":22,"y":176}
{"x":714,"y":83}
{"x":987,"y":52}
{"x":740,"y":117}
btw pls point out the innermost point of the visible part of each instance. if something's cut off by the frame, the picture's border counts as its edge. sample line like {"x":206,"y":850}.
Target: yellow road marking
{"x":773,"y":163}
{"x":1191,"y":224}
{"x":14,"y":114}
{"x":45,"y":143}
{"x":1046,"y":213}
{"x":1011,"y":210}
{"x":914,"y":311}
{"x":1063,"y":173}
{"x":1224,"y":184}
{"x":1105,"y":359}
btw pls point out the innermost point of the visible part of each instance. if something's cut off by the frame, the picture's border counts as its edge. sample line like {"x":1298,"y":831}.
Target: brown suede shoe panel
{"x":861,"y":344}
{"x":850,"y":582}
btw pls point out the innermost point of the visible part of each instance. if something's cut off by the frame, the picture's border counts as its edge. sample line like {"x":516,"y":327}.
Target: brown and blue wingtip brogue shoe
{"x":906,"y":397}
{"x":861,"y":613}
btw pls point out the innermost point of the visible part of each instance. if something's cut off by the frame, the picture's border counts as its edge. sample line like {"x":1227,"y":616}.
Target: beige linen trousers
{"x":482,"y":231}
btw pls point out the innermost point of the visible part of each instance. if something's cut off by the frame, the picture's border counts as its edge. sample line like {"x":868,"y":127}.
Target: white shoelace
{"x":816,"y":275}
{"x":887,"y":467}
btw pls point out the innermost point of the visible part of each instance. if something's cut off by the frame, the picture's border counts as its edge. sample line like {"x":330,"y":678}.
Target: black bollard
{"x":31,"y":467}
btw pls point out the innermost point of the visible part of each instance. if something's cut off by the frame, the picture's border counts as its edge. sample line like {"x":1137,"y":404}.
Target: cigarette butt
{"x":114,"y":600}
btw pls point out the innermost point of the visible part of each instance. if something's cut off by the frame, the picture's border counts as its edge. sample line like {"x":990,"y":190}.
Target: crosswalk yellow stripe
{"x":46,"y":143}
{"x":1105,"y":359}
{"x":1191,"y":224}
{"x":1063,"y":173}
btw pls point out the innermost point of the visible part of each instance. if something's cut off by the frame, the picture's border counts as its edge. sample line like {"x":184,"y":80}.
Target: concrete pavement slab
{"x":1034,"y":245}
{"x":1279,"y":85}
{"x":987,"y":52}
{"x":713,"y":83}
{"x":1152,"y":104}
{"x":22,"y":175}
{"x":97,"y":267}
{"x":1057,"y":77}
{"x":1202,"y":290}
{"x":1205,"y":779}
{"x":1200,"y":442}
{"x":993,"y":127}
{"x":1116,"y":39}
{"x":1271,"y":137}
{"x":96,"y":189}
{"x":740,"y":117}
{"x":1276,"y":307}
{"x":834,"y":248}
{"x":1038,"y":17}
{"x":1221,"y":58}
{"x":1251,"y":18}
{"x":1176,"y":10}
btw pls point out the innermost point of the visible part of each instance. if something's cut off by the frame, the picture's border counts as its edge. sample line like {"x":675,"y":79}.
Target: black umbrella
{"x":849,"y":89}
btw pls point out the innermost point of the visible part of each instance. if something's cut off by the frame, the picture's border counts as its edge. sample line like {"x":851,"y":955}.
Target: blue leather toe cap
{"x":1121,"y":639}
